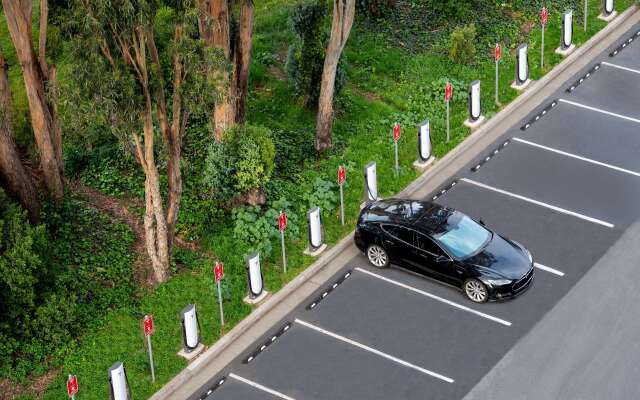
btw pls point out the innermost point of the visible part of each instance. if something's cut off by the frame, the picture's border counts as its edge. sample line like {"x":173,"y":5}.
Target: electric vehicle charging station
{"x":425,"y":158}
{"x":316,"y":236}
{"x":370,"y":184}
{"x":566,"y":39}
{"x":522,"y":68}
{"x":254,"y":280}
{"x":608,"y":10}
{"x":190,"y":333}
{"x":475,"y":110}
{"x":118,"y":382}
{"x":190,"y":328}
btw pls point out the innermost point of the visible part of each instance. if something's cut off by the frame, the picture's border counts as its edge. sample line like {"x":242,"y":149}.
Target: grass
{"x":387,"y":84}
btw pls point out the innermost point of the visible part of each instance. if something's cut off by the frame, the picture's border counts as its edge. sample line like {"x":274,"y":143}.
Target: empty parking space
{"x":308,"y":364}
{"x":233,"y":389}
{"x":591,"y":192}
{"x":583,"y":133}
{"x":610,"y":89}
{"x":629,"y":56}
{"x":413,"y":327}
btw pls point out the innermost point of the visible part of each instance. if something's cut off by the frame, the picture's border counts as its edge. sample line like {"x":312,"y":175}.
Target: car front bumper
{"x":513,"y":289}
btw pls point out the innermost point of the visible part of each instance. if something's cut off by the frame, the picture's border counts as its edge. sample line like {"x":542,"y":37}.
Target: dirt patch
{"x":368,"y":96}
{"x":277,"y":73}
{"x":36,"y":387}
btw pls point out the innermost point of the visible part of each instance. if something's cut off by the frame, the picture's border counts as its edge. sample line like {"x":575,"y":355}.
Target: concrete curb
{"x":438,"y":168}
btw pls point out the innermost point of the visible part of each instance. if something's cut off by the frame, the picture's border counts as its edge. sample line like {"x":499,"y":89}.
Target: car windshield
{"x":463,"y":236}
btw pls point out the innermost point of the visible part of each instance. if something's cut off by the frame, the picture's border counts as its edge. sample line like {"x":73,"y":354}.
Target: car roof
{"x":420,"y":215}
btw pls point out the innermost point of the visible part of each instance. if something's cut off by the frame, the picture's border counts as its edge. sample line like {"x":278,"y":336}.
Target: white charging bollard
{"x":475,"y":110}
{"x":608,"y":10}
{"x":566,"y":39}
{"x":118,"y":382}
{"x":522,"y":68}
{"x":190,"y":333}
{"x":254,"y":279}
{"x":316,"y":240}
{"x":370,"y":184}
{"x":425,"y":158}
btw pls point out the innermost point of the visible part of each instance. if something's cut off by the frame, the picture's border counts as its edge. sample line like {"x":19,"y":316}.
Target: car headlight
{"x":497,"y":282}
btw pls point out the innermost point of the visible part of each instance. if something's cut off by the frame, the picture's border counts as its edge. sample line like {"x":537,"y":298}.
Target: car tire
{"x":475,"y":291}
{"x":377,"y":256}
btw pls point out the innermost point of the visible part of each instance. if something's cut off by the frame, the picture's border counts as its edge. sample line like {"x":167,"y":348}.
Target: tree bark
{"x":171,"y":133}
{"x":155,"y":222}
{"x":43,"y":119}
{"x":215,"y":29}
{"x":343,"y":14}
{"x":243,"y":59}
{"x":16,"y":180}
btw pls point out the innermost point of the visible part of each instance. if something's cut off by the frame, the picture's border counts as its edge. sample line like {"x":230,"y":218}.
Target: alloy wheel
{"x":476,"y":291}
{"x":377,"y":256}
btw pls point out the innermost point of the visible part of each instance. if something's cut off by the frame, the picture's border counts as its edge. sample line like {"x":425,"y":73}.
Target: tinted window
{"x":427,"y":244}
{"x":406,"y":235}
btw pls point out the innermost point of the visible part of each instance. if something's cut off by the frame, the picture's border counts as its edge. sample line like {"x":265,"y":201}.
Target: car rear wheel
{"x":377,"y":256}
{"x":476,"y":291}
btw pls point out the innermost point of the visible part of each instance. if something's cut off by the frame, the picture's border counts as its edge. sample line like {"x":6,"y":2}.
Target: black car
{"x":445,"y":244}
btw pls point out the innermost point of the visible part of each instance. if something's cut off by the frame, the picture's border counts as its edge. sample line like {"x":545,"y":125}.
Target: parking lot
{"x":565,"y":183}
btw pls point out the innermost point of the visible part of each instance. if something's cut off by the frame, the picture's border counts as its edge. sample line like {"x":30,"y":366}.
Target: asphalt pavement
{"x":565,"y":182}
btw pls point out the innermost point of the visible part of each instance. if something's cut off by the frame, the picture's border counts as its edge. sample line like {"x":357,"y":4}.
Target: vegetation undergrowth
{"x":397,"y":64}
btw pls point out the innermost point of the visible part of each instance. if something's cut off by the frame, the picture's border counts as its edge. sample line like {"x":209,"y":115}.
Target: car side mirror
{"x":482,"y":222}
{"x":441,"y":259}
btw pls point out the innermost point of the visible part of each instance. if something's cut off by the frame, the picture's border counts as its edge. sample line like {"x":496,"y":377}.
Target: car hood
{"x":502,"y":258}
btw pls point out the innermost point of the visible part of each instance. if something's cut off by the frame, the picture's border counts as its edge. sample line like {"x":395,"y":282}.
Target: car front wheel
{"x":476,"y":291}
{"x":377,"y":256}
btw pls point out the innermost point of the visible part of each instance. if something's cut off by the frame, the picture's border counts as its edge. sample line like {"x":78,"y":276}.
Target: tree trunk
{"x":16,"y":180}
{"x":224,"y":109}
{"x":45,"y":129}
{"x":155,"y":222}
{"x":343,"y":14}
{"x":215,"y":30}
{"x":172,"y":134}
{"x":243,"y":59}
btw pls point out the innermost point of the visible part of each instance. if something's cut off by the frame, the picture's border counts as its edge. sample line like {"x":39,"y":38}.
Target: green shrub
{"x":374,"y":8}
{"x":55,"y":279}
{"x":305,"y":60}
{"x":324,"y":195}
{"x":257,"y":230}
{"x":462,"y":49}
{"x":455,"y":10}
{"x":241,"y":162}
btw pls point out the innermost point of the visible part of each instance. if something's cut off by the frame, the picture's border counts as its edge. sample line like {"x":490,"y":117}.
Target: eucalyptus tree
{"x":233,"y":39}
{"x":142,"y":69}
{"x":343,"y":14}
{"x":13,"y":175}
{"x":40,"y":84}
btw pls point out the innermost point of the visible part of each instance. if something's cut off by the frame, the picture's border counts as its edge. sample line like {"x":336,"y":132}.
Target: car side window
{"x":406,"y":235}
{"x":426,"y":244}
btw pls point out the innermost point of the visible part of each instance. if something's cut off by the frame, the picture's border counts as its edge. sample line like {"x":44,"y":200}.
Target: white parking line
{"x":260,"y":387}
{"x":635,"y":71}
{"x":564,"y":153}
{"x":539,"y":203}
{"x":374,"y":351}
{"x":434,"y":297}
{"x":573,"y":103}
{"x":548,"y":269}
